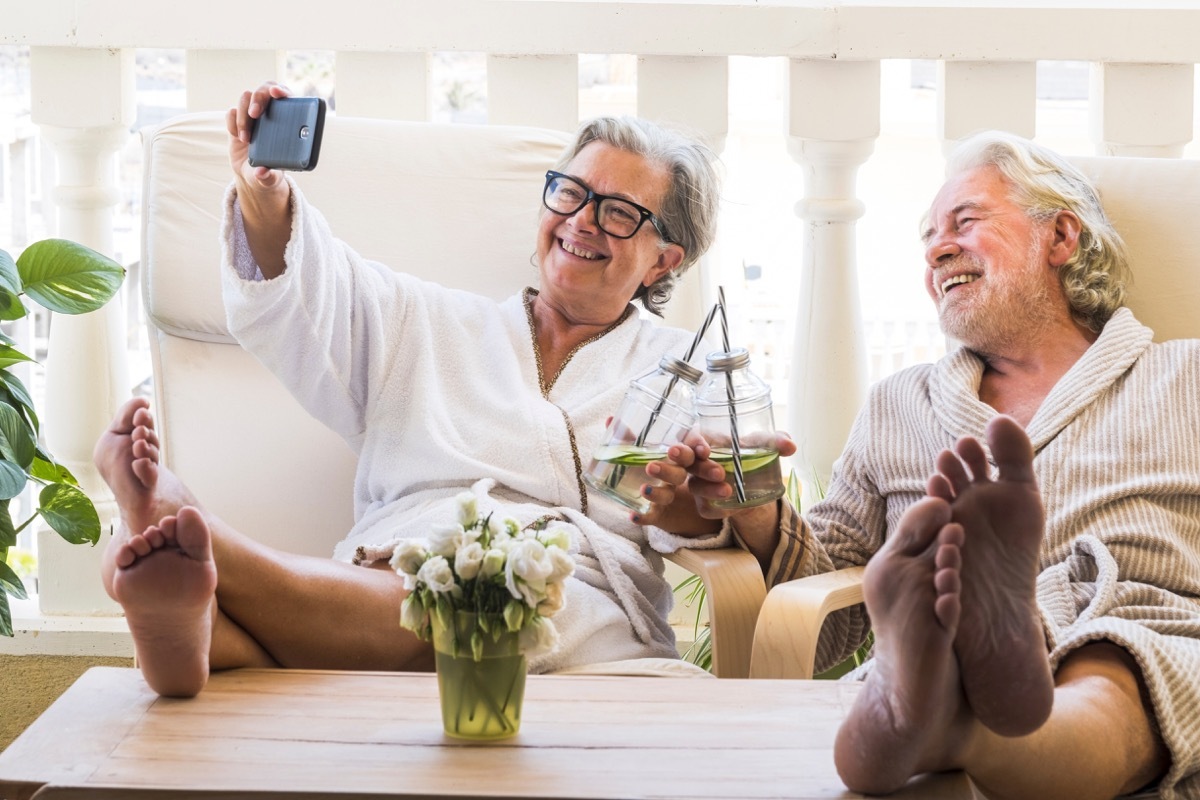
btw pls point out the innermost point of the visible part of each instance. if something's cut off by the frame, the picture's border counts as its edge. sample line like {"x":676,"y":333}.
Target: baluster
{"x":537,"y":90}
{"x":1142,"y":109}
{"x":986,"y":95}
{"x":833,"y":121}
{"x":692,"y":92}
{"x":217,"y":78}
{"x":385,"y":85}
{"x":83,"y":103}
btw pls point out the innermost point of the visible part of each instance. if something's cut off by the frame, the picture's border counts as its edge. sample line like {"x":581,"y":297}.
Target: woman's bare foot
{"x":166,"y":580}
{"x":910,"y":715}
{"x":1001,"y":645}
{"x":128,"y":459}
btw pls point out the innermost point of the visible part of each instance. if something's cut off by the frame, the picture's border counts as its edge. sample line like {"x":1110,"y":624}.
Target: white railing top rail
{"x":1097,"y":30}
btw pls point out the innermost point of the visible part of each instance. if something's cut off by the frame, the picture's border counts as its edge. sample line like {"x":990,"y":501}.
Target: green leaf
{"x":16,"y":442}
{"x":10,"y":355}
{"x":6,"y":628}
{"x":45,"y":468}
{"x":68,"y":511}
{"x":12,"y":479}
{"x":10,"y":279}
{"x":8,"y":534}
{"x":11,"y":306}
{"x":10,"y":581}
{"x":18,"y":395}
{"x":67,"y":277}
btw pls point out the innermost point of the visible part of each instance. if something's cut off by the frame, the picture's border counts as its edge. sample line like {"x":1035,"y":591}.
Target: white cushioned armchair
{"x":460,"y":201}
{"x":1155,"y":205}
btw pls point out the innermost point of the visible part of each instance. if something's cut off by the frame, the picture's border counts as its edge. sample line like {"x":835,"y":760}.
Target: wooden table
{"x":350,"y":735}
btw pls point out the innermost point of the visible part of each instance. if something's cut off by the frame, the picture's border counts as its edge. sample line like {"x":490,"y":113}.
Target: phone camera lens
{"x":304,"y":132}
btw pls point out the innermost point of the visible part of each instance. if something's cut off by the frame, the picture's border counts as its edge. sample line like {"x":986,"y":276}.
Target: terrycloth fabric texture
{"x":1117,"y":456}
{"x":440,"y":391}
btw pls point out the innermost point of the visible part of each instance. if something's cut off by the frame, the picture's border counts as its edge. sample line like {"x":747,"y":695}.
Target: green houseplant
{"x":67,"y":278}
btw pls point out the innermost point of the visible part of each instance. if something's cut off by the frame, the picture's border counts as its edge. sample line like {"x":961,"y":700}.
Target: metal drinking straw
{"x":641,"y":439}
{"x":735,"y":445}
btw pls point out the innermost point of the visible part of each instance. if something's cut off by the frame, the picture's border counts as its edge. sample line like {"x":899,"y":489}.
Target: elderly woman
{"x":439,"y":391}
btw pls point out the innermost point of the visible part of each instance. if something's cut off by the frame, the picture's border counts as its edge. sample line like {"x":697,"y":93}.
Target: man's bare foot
{"x":910,"y":715}
{"x":127,"y":457}
{"x":1001,"y":645}
{"x":165,"y":579}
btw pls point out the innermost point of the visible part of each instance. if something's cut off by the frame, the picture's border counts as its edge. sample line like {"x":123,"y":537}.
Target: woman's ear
{"x":669,"y":259}
{"x":1067,"y":229}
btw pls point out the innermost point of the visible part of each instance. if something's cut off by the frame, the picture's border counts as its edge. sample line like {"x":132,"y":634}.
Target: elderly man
{"x":1036,"y":624}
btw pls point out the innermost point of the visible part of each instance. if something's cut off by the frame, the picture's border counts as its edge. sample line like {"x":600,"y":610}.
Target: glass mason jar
{"x":657,"y":412}
{"x":733,"y":409}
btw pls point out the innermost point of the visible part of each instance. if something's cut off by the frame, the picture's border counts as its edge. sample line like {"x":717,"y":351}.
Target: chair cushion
{"x":457,"y":204}
{"x":1155,"y":204}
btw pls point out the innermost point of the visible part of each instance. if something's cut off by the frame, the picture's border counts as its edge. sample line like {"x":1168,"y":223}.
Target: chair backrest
{"x":1155,"y":205}
{"x":453,"y":203}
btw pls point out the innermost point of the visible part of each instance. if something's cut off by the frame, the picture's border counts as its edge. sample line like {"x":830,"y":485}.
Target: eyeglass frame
{"x":597,"y":198}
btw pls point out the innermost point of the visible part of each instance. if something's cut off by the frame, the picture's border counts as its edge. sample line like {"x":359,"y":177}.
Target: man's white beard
{"x":1015,"y":306}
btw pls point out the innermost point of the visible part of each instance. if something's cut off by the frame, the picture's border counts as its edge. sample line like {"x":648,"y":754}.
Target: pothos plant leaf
{"x":70,"y":513}
{"x":16,"y":441}
{"x":10,"y":582}
{"x":10,"y":355}
{"x":45,"y":468}
{"x":11,"y":306}
{"x":15,"y":394}
{"x":6,"y":628}
{"x":10,"y":278}
{"x":8,"y":534}
{"x":12,"y":480}
{"x":67,"y":277}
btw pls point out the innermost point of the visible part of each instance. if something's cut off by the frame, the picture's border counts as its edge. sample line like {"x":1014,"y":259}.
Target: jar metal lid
{"x":681,"y":368}
{"x":728,"y":361}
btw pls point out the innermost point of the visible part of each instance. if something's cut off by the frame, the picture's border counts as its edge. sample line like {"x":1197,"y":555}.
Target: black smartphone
{"x":288,"y":135}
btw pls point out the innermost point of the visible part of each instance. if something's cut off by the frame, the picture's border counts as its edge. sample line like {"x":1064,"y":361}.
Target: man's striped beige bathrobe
{"x":1117,"y":455}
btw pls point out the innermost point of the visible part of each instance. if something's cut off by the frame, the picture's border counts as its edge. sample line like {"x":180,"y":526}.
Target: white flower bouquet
{"x":510,"y":578}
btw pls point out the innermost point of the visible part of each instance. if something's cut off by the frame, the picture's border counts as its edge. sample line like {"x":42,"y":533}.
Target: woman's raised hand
{"x":263,"y":194}
{"x":240,"y":122}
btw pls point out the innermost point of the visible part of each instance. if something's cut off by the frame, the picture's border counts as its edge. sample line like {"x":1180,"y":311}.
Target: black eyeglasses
{"x":616,"y":216}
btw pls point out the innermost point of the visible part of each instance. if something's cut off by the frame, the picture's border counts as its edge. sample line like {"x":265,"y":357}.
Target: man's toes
{"x":920,"y":525}
{"x":973,"y":456}
{"x":951,"y":470}
{"x":1011,"y":448}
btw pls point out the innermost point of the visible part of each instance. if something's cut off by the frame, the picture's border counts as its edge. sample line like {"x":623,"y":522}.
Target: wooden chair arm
{"x":785,"y":638}
{"x":734,"y":582}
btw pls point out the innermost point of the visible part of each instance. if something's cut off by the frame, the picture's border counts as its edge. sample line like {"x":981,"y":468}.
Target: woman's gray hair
{"x":689,"y":207}
{"x":1044,"y":183}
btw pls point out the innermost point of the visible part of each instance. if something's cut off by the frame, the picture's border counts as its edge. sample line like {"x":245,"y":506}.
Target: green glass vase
{"x":481,"y":676}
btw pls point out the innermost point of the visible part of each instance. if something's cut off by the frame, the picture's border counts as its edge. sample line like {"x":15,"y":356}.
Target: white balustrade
{"x":833,"y":121}
{"x":83,"y":101}
{"x":1143,"y":63}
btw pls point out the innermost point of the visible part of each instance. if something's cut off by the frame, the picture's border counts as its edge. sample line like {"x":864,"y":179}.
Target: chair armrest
{"x":734,"y":582}
{"x":785,"y":639}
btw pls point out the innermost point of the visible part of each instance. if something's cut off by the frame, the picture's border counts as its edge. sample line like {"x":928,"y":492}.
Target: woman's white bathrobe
{"x":439,"y":391}
{"x":1117,"y":456}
